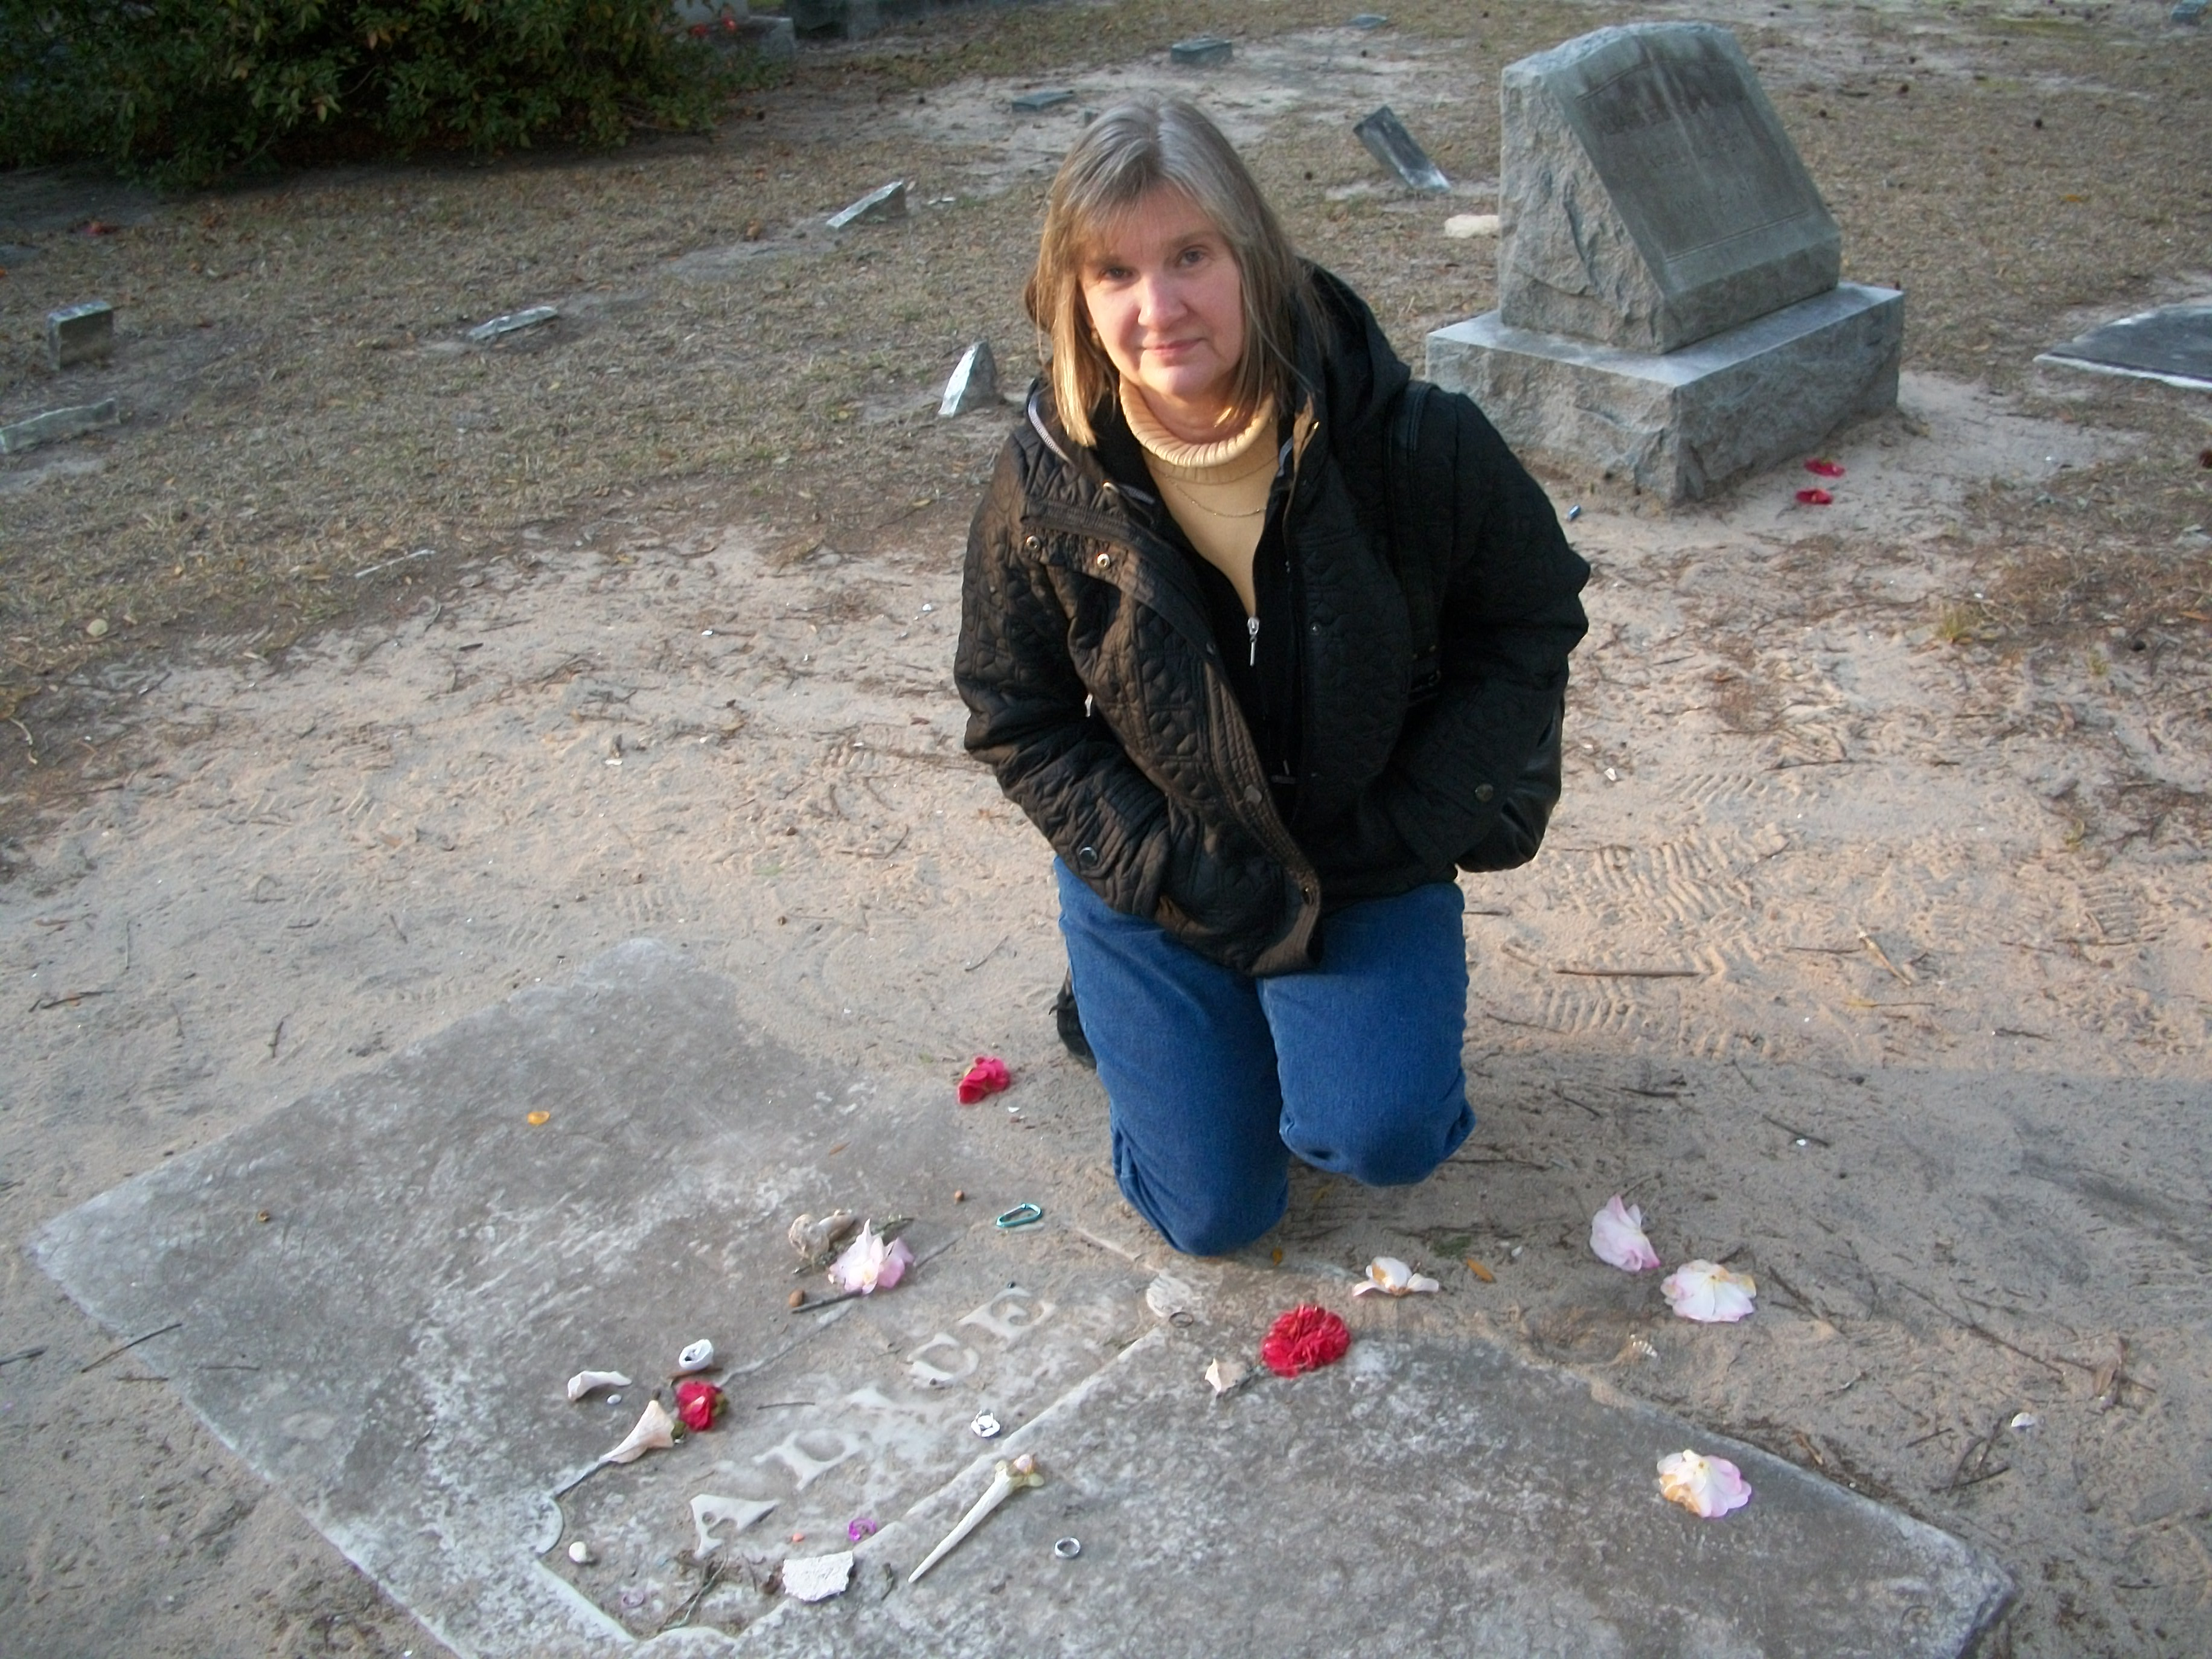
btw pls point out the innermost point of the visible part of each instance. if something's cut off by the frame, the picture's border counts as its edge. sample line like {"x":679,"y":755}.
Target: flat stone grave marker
{"x":1651,"y":196}
{"x":389,"y":1348}
{"x":1387,"y":140}
{"x":80,"y":334}
{"x":2173,"y":343}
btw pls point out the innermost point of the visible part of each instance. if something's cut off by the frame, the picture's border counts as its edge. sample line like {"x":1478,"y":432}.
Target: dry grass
{"x":303,"y":408}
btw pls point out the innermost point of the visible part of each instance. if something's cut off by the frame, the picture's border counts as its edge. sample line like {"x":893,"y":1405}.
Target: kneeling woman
{"x":1266,"y":643}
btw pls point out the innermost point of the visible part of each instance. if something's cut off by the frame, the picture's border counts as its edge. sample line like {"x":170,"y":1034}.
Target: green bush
{"x":187,"y":91}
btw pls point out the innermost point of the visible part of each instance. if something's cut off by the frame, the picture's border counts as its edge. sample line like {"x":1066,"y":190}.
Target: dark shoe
{"x":1069,"y":1019}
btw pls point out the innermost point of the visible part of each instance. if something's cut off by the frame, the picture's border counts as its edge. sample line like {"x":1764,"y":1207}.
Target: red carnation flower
{"x":696,"y":1402}
{"x":1305,"y":1339}
{"x":986,"y":1077}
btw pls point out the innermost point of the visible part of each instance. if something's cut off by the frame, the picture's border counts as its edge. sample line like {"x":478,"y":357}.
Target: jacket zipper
{"x":1252,"y":639}
{"x":1274,"y":833}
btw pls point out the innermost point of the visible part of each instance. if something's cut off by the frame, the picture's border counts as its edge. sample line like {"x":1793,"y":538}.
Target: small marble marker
{"x":1200,"y":52}
{"x":875,"y":207}
{"x":79,"y":334}
{"x":1388,"y":142}
{"x":974,"y":384}
{"x":513,"y":323}
{"x":57,"y":426}
{"x":1030,"y":101}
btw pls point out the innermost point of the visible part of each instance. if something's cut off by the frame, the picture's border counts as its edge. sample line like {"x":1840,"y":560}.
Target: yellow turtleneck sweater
{"x":1217,"y":492}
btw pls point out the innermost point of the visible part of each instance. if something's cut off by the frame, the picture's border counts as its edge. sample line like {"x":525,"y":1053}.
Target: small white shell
{"x":696,"y":1357}
{"x":581,"y":1553}
{"x":985,"y":1427}
{"x":584,"y":1381}
{"x":655,"y":1432}
{"x":1227,"y":1376}
{"x":810,"y":1237}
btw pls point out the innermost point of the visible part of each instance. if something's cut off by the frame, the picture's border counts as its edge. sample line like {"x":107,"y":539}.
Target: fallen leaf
{"x":1480,"y":1272}
{"x":538,"y":1119}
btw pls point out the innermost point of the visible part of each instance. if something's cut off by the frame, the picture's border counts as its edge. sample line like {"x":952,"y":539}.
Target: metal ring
{"x":1068,"y":1548}
{"x":1021,"y":1215}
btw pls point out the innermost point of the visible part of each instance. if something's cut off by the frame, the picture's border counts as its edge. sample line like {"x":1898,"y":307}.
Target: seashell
{"x":817,"y":1578}
{"x":581,"y":1553}
{"x":708,"y":1512}
{"x":985,"y":1427}
{"x":584,"y":1381}
{"x":655,"y":1432}
{"x":1227,"y":1376}
{"x":1392,"y":1276}
{"x":812,"y":1237}
{"x":696,"y":1357}
{"x":1006,"y":1479}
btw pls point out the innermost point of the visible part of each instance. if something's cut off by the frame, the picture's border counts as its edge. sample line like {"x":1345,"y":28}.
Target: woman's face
{"x":1168,"y":301}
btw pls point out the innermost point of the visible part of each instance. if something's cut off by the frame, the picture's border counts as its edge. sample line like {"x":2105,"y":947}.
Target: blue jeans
{"x":1214,"y":1079}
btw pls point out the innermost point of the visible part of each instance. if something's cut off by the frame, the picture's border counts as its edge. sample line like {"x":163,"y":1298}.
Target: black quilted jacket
{"x":1096,"y":693}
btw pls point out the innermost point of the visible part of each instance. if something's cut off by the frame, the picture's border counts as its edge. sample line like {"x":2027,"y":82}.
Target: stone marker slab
{"x":2173,"y":343}
{"x":1387,"y":140}
{"x":1650,"y":196}
{"x":513,"y":322}
{"x":1419,"y":1498}
{"x":1029,"y":103}
{"x":974,"y":384}
{"x":80,"y":334}
{"x":434,"y":1266}
{"x":1682,"y":423}
{"x":57,"y":426}
{"x":1201,"y":52}
{"x":879,"y":206}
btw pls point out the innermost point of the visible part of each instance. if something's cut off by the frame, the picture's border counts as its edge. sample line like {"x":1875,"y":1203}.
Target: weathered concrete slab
{"x":388,"y":1348}
{"x":1682,"y":423}
{"x":1650,"y":195}
{"x":2173,"y":343}
{"x":1419,"y":1498}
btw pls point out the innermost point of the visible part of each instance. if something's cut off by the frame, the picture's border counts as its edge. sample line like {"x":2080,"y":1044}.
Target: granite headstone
{"x":1650,"y":196}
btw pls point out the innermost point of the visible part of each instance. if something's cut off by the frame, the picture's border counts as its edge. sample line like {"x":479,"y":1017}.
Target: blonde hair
{"x":1124,"y":156}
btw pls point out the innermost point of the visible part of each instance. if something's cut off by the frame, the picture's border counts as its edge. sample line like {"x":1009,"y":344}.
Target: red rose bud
{"x":1305,"y":1339}
{"x":986,"y":1077}
{"x":696,"y":1402}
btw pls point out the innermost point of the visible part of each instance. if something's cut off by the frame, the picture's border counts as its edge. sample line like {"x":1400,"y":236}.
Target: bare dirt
{"x":1872,"y":946}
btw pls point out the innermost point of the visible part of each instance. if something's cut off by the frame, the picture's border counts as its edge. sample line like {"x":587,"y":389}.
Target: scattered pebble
{"x":796,"y":1299}
{"x":581,"y":1553}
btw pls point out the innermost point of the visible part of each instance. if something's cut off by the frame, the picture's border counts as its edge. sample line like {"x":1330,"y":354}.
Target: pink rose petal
{"x":1710,"y":1486}
{"x":1709,"y":1293}
{"x":1617,"y":1236}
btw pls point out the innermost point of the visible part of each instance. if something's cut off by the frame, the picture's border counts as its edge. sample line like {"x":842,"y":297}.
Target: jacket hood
{"x":1350,"y":368}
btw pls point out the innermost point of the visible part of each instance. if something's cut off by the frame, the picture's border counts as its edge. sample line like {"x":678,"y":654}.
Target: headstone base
{"x":1684,"y":424}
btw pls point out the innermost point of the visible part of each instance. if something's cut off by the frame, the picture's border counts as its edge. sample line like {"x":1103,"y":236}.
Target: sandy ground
{"x":1874,"y":958}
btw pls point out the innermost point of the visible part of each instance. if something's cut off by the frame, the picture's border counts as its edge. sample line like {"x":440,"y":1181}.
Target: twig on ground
{"x":173,"y":1325}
